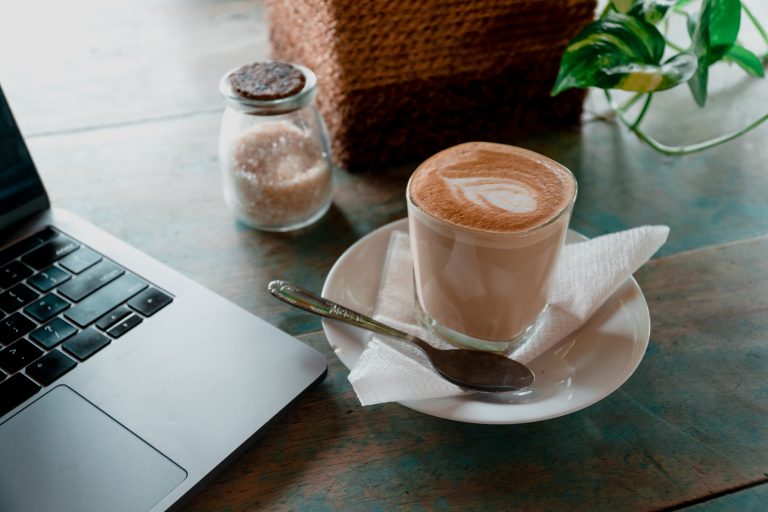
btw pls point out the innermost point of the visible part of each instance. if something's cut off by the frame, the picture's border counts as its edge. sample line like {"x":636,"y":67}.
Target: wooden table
{"x":123,"y":122}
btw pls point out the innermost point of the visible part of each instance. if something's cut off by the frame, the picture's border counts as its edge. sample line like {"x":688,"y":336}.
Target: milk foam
{"x":492,"y":187}
{"x":484,"y":192}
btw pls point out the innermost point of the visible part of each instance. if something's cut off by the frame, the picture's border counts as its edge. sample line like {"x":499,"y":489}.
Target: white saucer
{"x":581,"y":370}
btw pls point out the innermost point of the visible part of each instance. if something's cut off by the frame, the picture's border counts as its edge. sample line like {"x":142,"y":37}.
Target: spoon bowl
{"x":470,"y":369}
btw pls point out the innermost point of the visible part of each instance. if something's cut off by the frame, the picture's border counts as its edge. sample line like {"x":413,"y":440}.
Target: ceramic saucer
{"x":580,"y":370}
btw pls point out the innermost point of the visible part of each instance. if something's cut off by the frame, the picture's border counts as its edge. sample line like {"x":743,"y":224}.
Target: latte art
{"x":505,"y":194}
{"x":492,"y":187}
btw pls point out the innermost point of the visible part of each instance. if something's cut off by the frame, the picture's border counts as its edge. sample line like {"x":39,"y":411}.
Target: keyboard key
{"x":49,"y":279}
{"x":12,"y":273}
{"x":53,"y":333}
{"x":14,"y":391}
{"x":50,"y":367}
{"x":86,"y":343}
{"x":150,"y":301}
{"x":46,"y":308}
{"x":124,"y":326}
{"x":46,"y":234}
{"x":50,"y":252}
{"x":80,"y":260}
{"x":15,"y":357}
{"x":106,"y":299}
{"x":19,"y":248}
{"x":17,"y":297}
{"x":14,"y":327}
{"x":91,"y":280}
{"x":112,"y":317}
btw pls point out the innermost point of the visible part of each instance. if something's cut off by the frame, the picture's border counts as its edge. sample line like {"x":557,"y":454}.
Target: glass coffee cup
{"x":487,"y":223}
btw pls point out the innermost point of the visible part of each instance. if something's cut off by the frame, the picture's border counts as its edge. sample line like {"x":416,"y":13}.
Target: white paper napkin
{"x":587,"y":274}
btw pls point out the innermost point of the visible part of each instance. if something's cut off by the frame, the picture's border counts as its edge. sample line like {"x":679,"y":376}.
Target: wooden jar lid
{"x":267,"y":81}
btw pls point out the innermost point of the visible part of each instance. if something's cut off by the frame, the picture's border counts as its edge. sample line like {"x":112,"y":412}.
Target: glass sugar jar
{"x":273,"y":148}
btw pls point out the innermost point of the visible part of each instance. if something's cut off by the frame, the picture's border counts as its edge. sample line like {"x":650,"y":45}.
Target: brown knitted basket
{"x":401,"y":79}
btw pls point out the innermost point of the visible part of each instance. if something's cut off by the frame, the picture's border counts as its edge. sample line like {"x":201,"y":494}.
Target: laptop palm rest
{"x":87,"y":460}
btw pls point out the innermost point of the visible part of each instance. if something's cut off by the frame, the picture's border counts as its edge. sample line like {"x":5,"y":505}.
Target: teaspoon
{"x":469,"y":369}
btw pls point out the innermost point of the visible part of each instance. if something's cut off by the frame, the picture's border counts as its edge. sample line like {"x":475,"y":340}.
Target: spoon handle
{"x":308,"y":301}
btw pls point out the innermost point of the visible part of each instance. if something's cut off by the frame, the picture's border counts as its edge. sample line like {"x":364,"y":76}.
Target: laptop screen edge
{"x":21,"y":188}
{"x":30,"y":208}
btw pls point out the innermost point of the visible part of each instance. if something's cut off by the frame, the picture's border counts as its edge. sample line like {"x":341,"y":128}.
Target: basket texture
{"x":401,"y":79}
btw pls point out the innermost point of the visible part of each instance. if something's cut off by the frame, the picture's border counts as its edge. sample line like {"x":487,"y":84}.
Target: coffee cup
{"x":487,"y":223}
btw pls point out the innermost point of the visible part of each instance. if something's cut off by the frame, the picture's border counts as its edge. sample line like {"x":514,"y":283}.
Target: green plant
{"x":624,"y":49}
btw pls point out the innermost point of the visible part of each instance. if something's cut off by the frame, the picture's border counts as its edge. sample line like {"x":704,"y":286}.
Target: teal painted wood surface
{"x":174,"y":164}
{"x":708,"y":198}
{"x":162,"y":147}
{"x":691,"y":422}
{"x":754,"y":499}
{"x":133,"y":149}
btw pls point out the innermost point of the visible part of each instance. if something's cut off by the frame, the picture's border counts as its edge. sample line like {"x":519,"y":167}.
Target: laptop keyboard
{"x":60,"y":303}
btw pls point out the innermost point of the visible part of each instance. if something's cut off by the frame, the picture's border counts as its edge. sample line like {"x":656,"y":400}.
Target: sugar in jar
{"x":273,"y":148}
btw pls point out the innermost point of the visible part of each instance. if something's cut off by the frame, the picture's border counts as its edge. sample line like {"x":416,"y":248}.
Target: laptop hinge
{"x":24,"y":212}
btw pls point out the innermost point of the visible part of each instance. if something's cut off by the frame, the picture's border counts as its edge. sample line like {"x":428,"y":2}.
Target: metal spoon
{"x":470,"y":369}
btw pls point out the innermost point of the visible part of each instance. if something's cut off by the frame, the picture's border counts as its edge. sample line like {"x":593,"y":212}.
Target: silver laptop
{"x":123,"y":385}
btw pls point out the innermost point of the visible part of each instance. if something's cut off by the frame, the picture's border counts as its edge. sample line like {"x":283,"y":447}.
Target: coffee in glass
{"x":487,"y":223}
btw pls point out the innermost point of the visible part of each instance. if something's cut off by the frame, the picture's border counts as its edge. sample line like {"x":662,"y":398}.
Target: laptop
{"x":123,"y":385}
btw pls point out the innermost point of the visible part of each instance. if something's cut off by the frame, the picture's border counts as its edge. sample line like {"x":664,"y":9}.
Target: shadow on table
{"x":276,"y":468}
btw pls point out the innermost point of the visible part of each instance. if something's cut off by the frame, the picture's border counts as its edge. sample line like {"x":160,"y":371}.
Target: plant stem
{"x":670,"y":43}
{"x":678,"y":150}
{"x":641,"y":115}
{"x":755,"y":22}
{"x":675,"y":47}
{"x":631,"y":101}
{"x":606,"y":10}
{"x":623,"y":108}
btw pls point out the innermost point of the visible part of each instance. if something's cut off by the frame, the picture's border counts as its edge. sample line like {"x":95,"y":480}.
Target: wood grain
{"x":157,"y":185}
{"x":754,"y":499}
{"x":122,"y":110}
{"x":693,"y":421}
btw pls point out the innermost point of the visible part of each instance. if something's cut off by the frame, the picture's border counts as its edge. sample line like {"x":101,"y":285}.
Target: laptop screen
{"x":20,"y":185}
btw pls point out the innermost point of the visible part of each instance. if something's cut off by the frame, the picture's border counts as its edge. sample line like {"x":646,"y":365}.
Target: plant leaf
{"x":650,"y":78}
{"x":716,"y":53}
{"x":700,"y":38}
{"x":622,"y":6}
{"x":615,"y":41}
{"x":747,"y":60}
{"x":724,"y":22}
{"x":714,"y":34}
{"x":652,"y":11}
{"x":682,"y":3}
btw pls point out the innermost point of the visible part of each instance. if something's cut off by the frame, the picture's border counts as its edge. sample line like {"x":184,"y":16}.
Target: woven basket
{"x":401,"y":79}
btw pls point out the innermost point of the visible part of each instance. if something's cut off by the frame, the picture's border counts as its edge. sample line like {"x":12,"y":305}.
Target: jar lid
{"x":270,"y":101}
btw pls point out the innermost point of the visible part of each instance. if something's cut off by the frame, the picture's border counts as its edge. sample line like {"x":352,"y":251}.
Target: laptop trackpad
{"x":87,"y":460}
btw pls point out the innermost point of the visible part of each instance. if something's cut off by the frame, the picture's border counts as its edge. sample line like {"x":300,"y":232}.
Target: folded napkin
{"x":588,"y":273}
